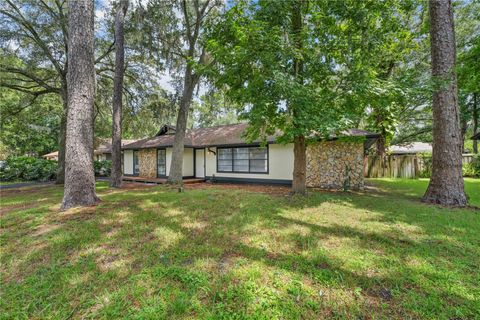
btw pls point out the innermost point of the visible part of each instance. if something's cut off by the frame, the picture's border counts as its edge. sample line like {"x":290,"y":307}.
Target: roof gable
{"x":166,"y":129}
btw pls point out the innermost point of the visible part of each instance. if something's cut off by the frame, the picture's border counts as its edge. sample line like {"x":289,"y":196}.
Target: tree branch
{"x":33,"y":34}
{"x":32,"y":77}
{"x":110,"y":49}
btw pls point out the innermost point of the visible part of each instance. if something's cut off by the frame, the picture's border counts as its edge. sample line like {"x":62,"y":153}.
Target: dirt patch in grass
{"x":39,"y":190}
{"x":44,"y":229}
{"x":136,"y":185}
{"x":267,"y":189}
{"x":76,"y":214}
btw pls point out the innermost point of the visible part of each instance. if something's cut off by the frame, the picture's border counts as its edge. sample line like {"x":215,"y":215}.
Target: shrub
{"x":102,"y":167}
{"x":28,"y":169}
{"x":472,"y":169}
{"x":426,"y":159}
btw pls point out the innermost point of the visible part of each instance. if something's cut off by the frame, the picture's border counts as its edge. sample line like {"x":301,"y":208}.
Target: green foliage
{"x":472,"y":169}
{"x":213,"y":109}
{"x":102,"y":167}
{"x":255,"y":46}
{"x":28,"y":169}
{"x":426,"y":159}
{"x":29,"y":128}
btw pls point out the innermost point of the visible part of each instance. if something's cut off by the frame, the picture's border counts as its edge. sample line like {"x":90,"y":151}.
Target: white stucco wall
{"x":168,"y":156}
{"x":128,"y":162}
{"x":280,"y":164}
{"x":187,"y":161}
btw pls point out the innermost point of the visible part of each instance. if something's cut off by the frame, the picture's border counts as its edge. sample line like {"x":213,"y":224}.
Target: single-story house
{"x":222,"y":154}
{"x":103,"y":150}
{"x":411,"y":148}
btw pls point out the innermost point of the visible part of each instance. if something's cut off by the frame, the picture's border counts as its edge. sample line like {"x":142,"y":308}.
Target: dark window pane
{"x":136,"y":166}
{"x":258,"y":153}
{"x":224,"y":153}
{"x":244,"y":159}
{"x":258,"y":166}
{"x":161,"y":162}
{"x":224,"y":165}
{"x":240,"y":153}
{"x":240,"y":165}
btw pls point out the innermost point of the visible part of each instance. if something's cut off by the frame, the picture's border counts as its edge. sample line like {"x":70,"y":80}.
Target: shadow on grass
{"x":212,"y":253}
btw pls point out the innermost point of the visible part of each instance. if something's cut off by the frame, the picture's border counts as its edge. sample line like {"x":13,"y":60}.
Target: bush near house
{"x":102,"y":167}
{"x":28,"y":169}
{"x":472,"y":169}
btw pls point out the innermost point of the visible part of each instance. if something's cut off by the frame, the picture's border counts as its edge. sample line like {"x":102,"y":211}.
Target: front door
{"x":199,"y":163}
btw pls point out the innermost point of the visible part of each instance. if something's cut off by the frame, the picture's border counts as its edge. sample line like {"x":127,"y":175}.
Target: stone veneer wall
{"x":148,"y":163}
{"x":327,"y":161}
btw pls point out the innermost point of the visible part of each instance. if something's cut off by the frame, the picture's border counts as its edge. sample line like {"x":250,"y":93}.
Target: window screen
{"x":161,"y":162}
{"x":136,"y":166}
{"x":244,"y":159}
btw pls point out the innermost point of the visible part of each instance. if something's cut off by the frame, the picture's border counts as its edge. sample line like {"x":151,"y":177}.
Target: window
{"x":136,"y":166}
{"x":161,"y":163}
{"x":242,"y":160}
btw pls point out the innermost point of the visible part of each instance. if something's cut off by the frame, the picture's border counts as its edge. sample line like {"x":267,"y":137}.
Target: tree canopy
{"x":363,"y":64}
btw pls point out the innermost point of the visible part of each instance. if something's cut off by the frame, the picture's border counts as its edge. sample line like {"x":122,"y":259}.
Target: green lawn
{"x":152,"y":253}
{"x":6,"y":183}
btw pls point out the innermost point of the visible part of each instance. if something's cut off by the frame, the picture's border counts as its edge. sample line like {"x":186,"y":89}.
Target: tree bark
{"x":176,"y":175}
{"x":62,"y":135}
{"x":299,"y":185}
{"x":299,"y":165}
{"x":79,"y":189}
{"x":446,"y":185}
{"x":116,"y":174}
{"x":475,"y":115}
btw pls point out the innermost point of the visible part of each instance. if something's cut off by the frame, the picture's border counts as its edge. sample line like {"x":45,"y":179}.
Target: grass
{"x":152,"y":253}
{"x":6,"y":183}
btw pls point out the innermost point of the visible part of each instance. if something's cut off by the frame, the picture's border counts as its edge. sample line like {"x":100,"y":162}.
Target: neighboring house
{"x":51,"y":156}
{"x":103,"y":151}
{"x":411,"y":148}
{"x":222,"y":154}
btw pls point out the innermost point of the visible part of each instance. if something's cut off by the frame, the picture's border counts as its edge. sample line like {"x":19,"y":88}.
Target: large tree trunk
{"x":475,"y":115}
{"x":79,"y":176}
{"x":299,"y":185}
{"x":175,"y":175}
{"x":299,"y":165}
{"x":116,"y":174}
{"x":62,"y":138}
{"x":446,"y":184}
